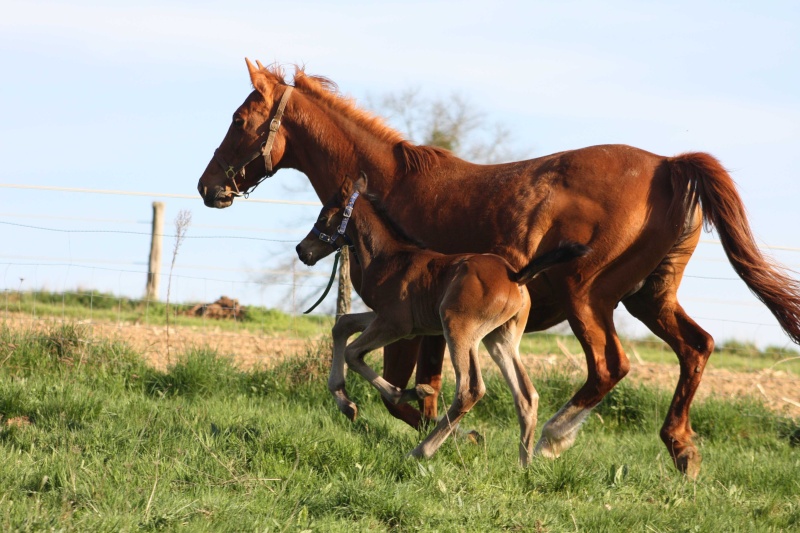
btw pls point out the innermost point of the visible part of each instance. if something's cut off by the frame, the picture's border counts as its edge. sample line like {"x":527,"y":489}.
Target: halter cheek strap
{"x":331,"y":239}
{"x":264,"y":151}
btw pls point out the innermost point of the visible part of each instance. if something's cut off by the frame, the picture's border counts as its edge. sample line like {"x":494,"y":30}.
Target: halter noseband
{"x":331,"y":239}
{"x":265,"y":151}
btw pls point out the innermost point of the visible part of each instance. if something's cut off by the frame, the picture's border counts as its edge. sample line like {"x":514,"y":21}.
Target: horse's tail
{"x":566,"y":251}
{"x":701,"y":176}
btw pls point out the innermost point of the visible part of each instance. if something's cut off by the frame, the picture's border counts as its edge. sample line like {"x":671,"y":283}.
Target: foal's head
{"x":328,"y":233}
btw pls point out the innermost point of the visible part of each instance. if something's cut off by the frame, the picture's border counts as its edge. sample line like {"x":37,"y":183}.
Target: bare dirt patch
{"x":778,"y":389}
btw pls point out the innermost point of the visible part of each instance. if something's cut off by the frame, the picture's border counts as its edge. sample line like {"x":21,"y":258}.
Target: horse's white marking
{"x":559,"y":433}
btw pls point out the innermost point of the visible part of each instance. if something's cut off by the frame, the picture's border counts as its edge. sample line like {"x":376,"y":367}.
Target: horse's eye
{"x":238,"y":121}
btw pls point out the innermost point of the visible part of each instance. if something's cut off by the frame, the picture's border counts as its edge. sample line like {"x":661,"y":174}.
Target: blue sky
{"x":136,"y":95}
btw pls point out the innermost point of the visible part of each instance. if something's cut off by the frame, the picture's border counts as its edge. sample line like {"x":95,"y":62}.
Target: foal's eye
{"x":238,"y":121}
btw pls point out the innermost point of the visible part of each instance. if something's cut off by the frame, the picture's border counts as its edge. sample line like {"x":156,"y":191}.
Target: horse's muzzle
{"x":217,"y":196}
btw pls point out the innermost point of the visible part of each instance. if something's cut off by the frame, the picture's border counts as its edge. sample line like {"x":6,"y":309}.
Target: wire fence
{"x":77,"y":266}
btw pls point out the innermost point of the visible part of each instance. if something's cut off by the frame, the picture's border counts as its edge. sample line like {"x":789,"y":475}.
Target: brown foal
{"x":413,"y":291}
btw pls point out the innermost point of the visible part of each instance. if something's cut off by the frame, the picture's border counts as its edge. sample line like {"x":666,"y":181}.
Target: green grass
{"x":113,"y":445}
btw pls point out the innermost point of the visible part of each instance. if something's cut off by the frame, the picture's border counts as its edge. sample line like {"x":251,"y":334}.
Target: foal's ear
{"x":361,"y":182}
{"x":258,"y":77}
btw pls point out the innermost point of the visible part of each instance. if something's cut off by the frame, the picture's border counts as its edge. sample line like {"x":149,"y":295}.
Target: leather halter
{"x":331,"y":239}
{"x":265,"y":151}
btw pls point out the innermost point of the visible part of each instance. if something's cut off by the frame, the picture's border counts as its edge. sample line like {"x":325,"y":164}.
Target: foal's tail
{"x":700,"y":176}
{"x":566,"y":251}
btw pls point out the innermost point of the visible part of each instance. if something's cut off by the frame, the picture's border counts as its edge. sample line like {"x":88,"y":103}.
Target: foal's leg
{"x":429,"y":372}
{"x":469,"y":389}
{"x":345,"y":327}
{"x":378,"y":334}
{"x":399,"y":360}
{"x":503,"y":346}
{"x":606,"y":364}
{"x":661,"y":312}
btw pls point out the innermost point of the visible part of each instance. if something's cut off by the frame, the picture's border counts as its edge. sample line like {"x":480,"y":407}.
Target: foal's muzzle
{"x":306,"y":256}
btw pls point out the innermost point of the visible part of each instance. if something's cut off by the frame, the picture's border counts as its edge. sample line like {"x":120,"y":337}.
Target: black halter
{"x":265,"y":151}
{"x":331,"y":239}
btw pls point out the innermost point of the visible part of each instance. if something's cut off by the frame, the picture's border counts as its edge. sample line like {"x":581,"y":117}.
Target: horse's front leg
{"x":345,"y":327}
{"x":399,"y":360}
{"x":378,"y":334}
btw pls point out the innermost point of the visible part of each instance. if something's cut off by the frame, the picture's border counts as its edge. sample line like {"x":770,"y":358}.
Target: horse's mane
{"x":390,"y":223}
{"x":413,"y":158}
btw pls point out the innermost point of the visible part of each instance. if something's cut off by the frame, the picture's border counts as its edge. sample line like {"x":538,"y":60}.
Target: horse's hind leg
{"x":503,"y":346}
{"x":469,"y":389}
{"x":660,"y":311}
{"x":606,"y":365}
{"x":429,"y":372}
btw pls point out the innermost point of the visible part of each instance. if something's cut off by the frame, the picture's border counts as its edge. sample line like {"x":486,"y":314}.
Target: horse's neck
{"x":327,"y":146}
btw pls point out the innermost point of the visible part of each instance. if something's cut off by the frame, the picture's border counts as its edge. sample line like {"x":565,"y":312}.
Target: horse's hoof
{"x":350,"y":410}
{"x":415,"y":454}
{"x":423,"y":391}
{"x":545,"y":449}
{"x":688,"y":462}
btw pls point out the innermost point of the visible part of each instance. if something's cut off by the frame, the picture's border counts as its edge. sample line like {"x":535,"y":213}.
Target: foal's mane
{"x":390,"y":223}
{"x":413,"y":158}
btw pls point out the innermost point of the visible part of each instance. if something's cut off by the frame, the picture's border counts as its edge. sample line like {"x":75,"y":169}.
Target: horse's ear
{"x":361,"y":182}
{"x":347,"y":187}
{"x":258,"y":77}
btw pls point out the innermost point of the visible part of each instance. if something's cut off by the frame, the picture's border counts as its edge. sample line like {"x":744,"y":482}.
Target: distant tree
{"x":453,"y":124}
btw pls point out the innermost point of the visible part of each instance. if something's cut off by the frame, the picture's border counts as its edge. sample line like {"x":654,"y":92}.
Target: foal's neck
{"x":373,"y":237}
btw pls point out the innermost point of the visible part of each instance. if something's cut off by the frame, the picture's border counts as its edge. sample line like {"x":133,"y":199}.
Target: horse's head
{"x":255,"y":142}
{"x":328,"y":233}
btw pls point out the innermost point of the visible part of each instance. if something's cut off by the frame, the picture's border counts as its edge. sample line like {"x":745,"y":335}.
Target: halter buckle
{"x":274,"y":124}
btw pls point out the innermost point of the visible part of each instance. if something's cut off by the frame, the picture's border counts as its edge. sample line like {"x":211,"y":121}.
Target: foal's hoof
{"x":423,"y":391}
{"x":350,"y":410}
{"x":417,"y":393}
{"x":688,"y":462}
{"x":474,"y":437}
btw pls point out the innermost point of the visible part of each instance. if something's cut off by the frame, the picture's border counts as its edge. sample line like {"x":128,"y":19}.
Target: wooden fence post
{"x":343,"y":300}
{"x":154,"y":270}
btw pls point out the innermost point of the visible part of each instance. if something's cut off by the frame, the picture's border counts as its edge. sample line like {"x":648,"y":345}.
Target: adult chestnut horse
{"x":640,"y":213}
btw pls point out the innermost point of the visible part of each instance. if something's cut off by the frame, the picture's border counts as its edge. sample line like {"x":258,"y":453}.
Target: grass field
{"x":91,"y":439}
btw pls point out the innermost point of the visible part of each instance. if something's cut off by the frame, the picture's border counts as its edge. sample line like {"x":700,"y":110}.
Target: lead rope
{"x":330,"y":283}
